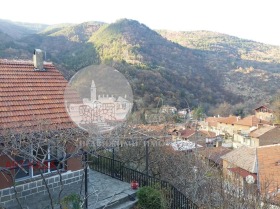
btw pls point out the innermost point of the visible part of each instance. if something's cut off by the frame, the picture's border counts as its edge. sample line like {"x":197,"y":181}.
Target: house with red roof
{"x":221,"y":125}
{"x":210,"y":124}
{"x":247,"y":123}
{"x":237,"y":130}
{"x":240,"y":163}
{"x":268,"y":162}
{"x":254,"y":169}
{"x":202,"y":138}
{"x":36,"y":133}
{"x":264,"y":113}
{"x":183,"y":134}
{"x":242,"y":129}
{"x":259,"y":135}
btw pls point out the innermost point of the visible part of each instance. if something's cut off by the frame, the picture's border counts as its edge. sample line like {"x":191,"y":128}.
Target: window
{"x":21,"y":171}
{"x":41,"y":155}
{"x":43,"y":159}
{"x":56,"y":155}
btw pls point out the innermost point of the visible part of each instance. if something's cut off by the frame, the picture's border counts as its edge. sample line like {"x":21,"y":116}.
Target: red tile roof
{"x":212,"y":121}
{"x":29,"y":98}
{"x":250,"y":121}
{"x":228,"y":120}
{"x":243,"y":157}
{"x":242,"y":172}
{"x":264,"y":107}
{"x":269,"y":168}
{"x":187,"y":133}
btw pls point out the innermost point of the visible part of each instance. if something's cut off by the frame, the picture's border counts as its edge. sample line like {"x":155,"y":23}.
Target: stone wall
{"x":34,"y":194}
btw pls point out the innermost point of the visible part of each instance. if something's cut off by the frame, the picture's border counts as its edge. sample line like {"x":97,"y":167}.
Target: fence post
{"x":121,"y":171}
{"x":86,"y":178}
{"x":113,"y":163}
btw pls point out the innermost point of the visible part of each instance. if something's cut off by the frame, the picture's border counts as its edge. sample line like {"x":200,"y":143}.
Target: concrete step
{"x":125,"y":200}
{"x":127,"y":205}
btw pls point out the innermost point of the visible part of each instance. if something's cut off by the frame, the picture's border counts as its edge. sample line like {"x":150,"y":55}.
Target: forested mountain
{"x":225,"y":44}
{"x":245,"y":67}
{"x":18,"y":30}
{"x":199,"y":67}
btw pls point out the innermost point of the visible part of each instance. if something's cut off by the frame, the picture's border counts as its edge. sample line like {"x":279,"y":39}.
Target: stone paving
{"x":104,"y":190}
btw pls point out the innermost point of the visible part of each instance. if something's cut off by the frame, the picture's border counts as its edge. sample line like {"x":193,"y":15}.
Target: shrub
{"x":72,"y":201}
{"x":150,"y":198}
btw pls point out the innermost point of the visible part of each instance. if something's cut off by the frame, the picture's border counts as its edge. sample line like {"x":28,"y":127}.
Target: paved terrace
{"x":107,"y":192}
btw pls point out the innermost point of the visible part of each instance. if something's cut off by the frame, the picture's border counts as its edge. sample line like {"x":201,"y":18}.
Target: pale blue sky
{"x":252,"y":19}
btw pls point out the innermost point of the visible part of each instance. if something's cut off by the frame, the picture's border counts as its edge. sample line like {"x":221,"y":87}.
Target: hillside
{"x":163,"y":69}
{"x":78,"y":33}
{"x":57,"y":41}
{"x":231,"y":46}
{"x":197,"y":67}
{"x":247,"y":68}
{"x":18,"y":30}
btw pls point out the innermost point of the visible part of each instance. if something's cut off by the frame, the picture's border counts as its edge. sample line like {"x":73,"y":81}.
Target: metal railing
{"x":116,"y":169}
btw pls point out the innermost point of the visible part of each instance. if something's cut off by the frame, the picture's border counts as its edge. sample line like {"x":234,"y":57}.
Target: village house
{"x":249,"y":169}
{"x":258,"y":136}
{"x":235,"y":130}
{"x":209,"y":124}
{"x":238,"y":164}
{"x":219,"y":125}
{"x":183,"y":134}
{"x":264,"y":113}
{"x":242,"y":129}
{"x":201,"y":137}
{"x":209,"y":138}
{"x":225,"y":125}
{"x":241,"y":138}
{"x":245,"y":124}
{"x":265,"y":135}
{"x":212,"y":155}
{"x":32,"y":109}
{"x":268,"y":162}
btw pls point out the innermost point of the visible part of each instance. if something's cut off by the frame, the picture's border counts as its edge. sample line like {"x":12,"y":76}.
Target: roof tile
{"x":243,"y":157}
{"x":30,"y":98}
